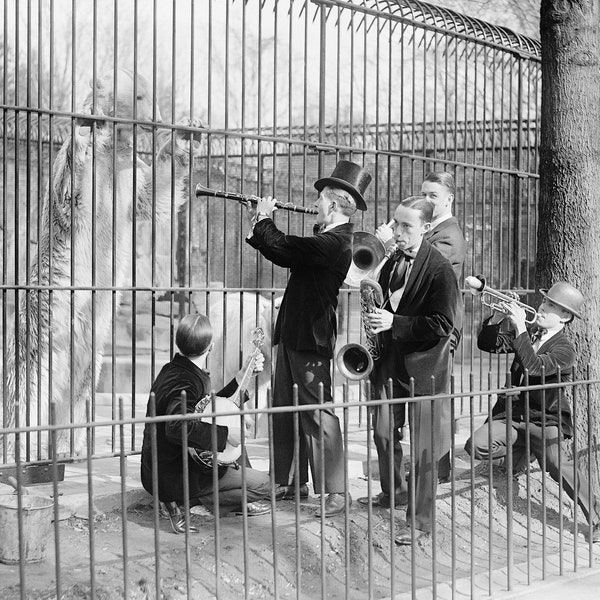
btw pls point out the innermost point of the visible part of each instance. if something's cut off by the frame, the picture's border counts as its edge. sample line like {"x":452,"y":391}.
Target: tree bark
{"x":569,"y":208}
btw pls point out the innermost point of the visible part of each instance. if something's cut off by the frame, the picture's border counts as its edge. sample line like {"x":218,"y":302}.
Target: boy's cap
{"x":566,"y":296}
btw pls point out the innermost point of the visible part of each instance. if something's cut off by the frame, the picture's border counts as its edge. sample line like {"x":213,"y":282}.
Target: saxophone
{"x":371,"y":297}
{"x":356,"y":361}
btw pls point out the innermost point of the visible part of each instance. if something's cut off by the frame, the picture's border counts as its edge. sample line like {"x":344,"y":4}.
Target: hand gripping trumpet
{"x":478,"y":287}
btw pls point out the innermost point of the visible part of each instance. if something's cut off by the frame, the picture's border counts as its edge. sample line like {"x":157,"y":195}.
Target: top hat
{"x":350,"y":177}
{"x":566,"y":296}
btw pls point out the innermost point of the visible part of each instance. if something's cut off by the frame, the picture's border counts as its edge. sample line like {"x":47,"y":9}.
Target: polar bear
{"x":98,"y":190}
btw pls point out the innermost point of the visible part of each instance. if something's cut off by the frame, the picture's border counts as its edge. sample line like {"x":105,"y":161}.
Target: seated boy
{"x":186,"y":372}
{"x":544,"y":353}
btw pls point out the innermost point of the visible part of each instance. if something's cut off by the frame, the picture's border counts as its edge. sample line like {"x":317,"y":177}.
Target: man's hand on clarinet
{"x":380,"y":320}
{"x":263,"y":208}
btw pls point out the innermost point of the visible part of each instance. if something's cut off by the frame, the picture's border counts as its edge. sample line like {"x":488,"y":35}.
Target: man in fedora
{"x":544,"y":353}
{"x":306,"y":331}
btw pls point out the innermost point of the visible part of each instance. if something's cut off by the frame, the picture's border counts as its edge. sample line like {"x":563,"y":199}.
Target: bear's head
{"x":133,"y":100}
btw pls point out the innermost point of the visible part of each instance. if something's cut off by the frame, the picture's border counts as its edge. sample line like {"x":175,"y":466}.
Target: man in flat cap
{"x":306,"y":331}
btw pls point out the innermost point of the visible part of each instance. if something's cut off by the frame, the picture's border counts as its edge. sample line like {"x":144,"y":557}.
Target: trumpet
{"x":245,"y":198}
{"x":478,"y":287}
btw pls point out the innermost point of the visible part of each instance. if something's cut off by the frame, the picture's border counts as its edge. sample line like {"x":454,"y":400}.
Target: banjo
{"x":231,"y":453}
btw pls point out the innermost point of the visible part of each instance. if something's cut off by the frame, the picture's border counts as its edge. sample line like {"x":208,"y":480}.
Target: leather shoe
{"x":596,"y":534}
{"x":288,"y":492}
{"x":383,"y":500}
{"x":334,"y":505}
{"x":255,"y":508}
{"x":177,"y":519}
{"x":404,"y":537}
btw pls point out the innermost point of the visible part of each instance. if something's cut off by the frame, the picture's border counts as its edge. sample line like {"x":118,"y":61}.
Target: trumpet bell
{"x":354,"y":362}
{"x":367,"y":252}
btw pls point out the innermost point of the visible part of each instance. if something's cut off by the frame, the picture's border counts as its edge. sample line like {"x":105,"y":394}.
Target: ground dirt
{"x":342,"y":557}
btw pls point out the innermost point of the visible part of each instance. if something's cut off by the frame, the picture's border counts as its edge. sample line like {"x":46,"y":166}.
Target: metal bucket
{"x":36,"y":519}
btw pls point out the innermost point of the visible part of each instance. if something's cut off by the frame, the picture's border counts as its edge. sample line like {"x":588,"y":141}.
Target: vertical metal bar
{"x":321,"y":484}
{"x":19,"y":489}
{"x":19,"y":400}
{"x":114,"y":307}
{"x":389,"y":408}
{"x":94,"y":256}
{"x":90,"y":490}
{"x":412,"y":488}
{"x":490,"y":466}
{"x":296,"y":417}
{"x":369,"y":433}
{"x":155,"y":497}
{"x":322,"y":81}
{"x":575,"y":476}
{"x":4,"y":422}
{"x":73,"y":230}
{"x":56,"y":505}
{"x":453,"y":488}
{"x":123,"y":481}
{"x":216,"y":505}
{"x":509,"y":490}
{"x":186,"y":490}
{"x":434,"y":482}
{"x":544,"y":472}
{"x":273,"y":484}
{"x":472,"y":491}
{"x":347,"y":562}
{"x":28,"y":195}
{"x":528,"y":472}
{"x":133,"y":273}
{"x":560,"y":391}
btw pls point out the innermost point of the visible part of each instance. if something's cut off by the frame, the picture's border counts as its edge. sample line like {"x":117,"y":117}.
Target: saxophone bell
{"x":367,"y":252}
{"x":354,"y":362}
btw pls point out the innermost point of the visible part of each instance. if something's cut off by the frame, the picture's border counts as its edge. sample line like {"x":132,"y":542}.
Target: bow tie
{"x":400,"y":255}
{"x":537,"y":334}
{"x":399,"y":271}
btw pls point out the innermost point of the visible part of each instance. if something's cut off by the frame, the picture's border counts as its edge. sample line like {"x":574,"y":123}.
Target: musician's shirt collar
{"x":440,"y":220}
{"x":412,"y":252}
{"x":548,"y":333}
{"x":330,"y":226}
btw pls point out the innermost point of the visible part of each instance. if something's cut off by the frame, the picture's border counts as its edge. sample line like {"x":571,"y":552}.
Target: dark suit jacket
{"x":554,"y":355}
{"x":418,"y":344}
{"x":318,"y":266}
{"x":180,"y":375}
{"x":448,"y":238}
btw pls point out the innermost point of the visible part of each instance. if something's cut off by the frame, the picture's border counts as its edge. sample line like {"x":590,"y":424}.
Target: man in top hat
{"x":306,"y":331}
{"x":544,"y":353}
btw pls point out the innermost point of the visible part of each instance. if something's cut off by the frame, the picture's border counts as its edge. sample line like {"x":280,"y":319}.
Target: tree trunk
{"x":569,"y":203}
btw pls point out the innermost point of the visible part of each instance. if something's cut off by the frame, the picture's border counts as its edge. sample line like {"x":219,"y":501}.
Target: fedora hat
{"x":350,"y":177}
{"x":566,"y":296}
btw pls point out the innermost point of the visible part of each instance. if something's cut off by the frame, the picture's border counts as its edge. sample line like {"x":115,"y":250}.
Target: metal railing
{"x":103,"y":535}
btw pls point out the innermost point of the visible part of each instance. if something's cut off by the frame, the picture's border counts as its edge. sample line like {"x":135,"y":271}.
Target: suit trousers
{"x":427,"y":445}
{"x":574,"y":481}
{"x":381,"y":436}
{"x":319,"y":441}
